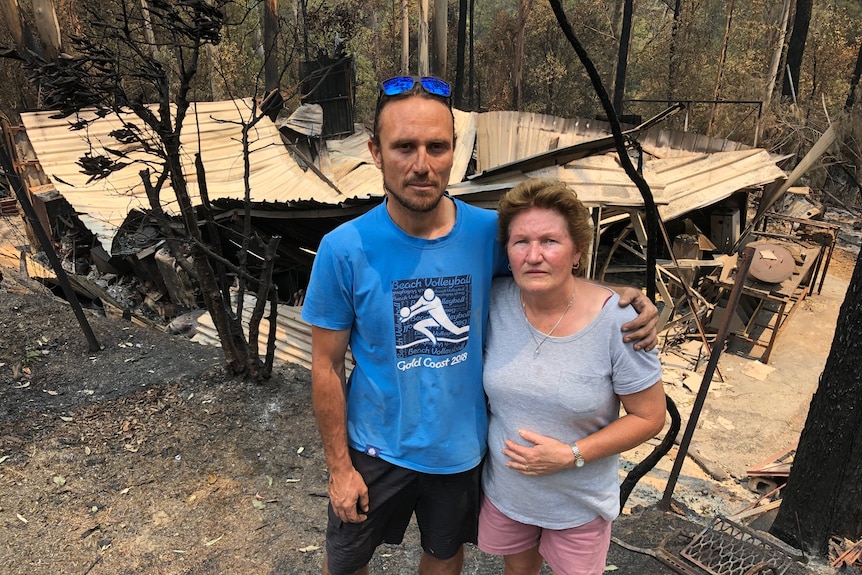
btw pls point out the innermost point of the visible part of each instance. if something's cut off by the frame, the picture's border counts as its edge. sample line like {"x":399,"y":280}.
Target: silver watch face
{"x":579,"y":461}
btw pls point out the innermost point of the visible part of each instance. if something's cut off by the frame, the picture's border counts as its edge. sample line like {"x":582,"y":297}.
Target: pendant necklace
{"x":532,"y":329}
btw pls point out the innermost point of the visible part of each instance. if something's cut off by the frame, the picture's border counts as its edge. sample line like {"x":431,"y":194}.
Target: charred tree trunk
{"x":623,"y":56}
{"x":671,"y":60}
{"x":796,"y":47}
{"x":716,"y":91}
{"x":212,"y":227}
{"x":264,"y":295}
{"x":823,"y":496}
{"x":48,"y":26}
{"x":424,"y":66}
{"x":270,"y":44}
{"x":405,"y":38}
{"x":774,"y":66}
{"x":524,"y":7}
{"x":303,"y":8}
{"x":9,"y":10}
{"x":229,"y":328}
{"x":854,"y":82}
{"x":470,"y":83}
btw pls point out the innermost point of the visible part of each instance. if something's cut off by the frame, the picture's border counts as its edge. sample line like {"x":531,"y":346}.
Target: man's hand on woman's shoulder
{"x":642,"y":330}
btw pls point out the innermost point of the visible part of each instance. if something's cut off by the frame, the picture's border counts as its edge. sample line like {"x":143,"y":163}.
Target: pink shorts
{"x":581,"y":550}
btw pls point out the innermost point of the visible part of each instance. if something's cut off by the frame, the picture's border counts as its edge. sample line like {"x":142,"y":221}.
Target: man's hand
{"x":349,"y":496}
{"x":642,"y":329}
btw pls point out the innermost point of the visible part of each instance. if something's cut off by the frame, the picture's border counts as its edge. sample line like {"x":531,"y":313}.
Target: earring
{"x":576,"y":266}
{"x":509,"y":266}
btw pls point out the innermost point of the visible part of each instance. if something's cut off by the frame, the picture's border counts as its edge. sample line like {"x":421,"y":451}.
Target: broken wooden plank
{"x":850,"y":556}
{"x":774,"y":466}
{"x":756,"y":510}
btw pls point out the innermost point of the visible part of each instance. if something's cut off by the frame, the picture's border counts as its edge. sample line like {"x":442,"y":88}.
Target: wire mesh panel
{"x":726,"y":548}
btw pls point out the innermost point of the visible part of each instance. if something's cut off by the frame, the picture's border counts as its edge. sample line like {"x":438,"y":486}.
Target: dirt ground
{"x":145,"y":458}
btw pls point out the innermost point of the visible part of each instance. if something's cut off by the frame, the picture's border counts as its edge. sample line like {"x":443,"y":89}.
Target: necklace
{"x":532,"y":330}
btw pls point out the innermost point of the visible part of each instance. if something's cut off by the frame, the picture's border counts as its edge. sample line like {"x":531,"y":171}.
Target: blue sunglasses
{"x":403,"y":84}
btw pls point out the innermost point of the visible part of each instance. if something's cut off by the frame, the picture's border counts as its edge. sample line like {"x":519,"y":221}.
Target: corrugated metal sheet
{"x":598,"y":180}
{"x":293,"y":334}
{"x":275,"y":175}
{"x":681,"y":181}
{"x":504,"y":137}
{"x":679,"y":184}
{"x":665,"y":143}
{"x":704,"y":179}
{"x":104,"y":204}
{"x":306,"y":120}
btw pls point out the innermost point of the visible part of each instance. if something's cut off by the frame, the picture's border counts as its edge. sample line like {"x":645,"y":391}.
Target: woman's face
{"x":541,"y":252}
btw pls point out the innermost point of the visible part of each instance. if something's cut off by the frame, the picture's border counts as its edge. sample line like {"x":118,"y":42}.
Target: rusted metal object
{"x":772,"y":263}
{"x":721,"y":337}
{"x":773,"y":471}
{"x":727,"y":548}
{"x":661,"y":554}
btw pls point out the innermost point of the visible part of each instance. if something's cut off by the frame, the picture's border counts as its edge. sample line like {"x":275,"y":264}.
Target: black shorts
{"x":446,"y":507}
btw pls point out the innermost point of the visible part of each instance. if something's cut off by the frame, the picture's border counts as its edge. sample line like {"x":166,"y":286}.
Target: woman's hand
{"x":545,"y":456}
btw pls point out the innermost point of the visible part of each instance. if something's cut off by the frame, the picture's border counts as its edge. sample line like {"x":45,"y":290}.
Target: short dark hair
{"x":550,"y":195}
{"x":418,"y":91}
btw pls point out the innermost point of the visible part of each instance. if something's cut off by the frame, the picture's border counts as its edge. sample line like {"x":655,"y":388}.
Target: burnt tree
{"x":114,"y":69}
{"x":823,"y":496}
{"x":796,"y":48}
{"x":854,"y":82}
{"x":623,"y":56}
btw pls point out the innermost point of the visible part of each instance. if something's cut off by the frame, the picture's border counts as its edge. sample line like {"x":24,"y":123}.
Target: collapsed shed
{"x":301,"y":185}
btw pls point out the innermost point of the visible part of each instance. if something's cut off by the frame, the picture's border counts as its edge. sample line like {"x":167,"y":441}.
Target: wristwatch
{"x":579,"y":460}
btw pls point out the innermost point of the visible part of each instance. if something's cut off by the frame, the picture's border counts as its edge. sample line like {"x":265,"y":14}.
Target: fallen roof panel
{"x":104,"y":203}
{"x":679,"y":184}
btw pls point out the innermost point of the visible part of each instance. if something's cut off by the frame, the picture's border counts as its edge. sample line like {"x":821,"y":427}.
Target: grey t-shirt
{"x":567,"y":392}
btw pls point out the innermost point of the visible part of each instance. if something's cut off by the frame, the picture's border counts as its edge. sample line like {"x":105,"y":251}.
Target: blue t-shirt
{"x":416,"y":310}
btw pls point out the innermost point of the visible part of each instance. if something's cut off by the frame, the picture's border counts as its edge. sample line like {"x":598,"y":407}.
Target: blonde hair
{"x":550,"y":195}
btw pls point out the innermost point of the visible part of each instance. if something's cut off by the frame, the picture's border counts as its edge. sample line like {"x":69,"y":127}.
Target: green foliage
{"x":31,"y":357}
{"x":555,"y":81}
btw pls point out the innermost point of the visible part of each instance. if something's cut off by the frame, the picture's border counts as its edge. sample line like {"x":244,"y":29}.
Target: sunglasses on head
{"x":403,"y":84}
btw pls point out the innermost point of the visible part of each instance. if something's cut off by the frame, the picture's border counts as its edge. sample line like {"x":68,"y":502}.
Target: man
{"x":406,"y":287}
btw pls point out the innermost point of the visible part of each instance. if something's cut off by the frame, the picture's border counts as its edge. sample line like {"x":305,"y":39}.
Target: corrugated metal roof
{"x":507,"y":137}
{"x":293,"y":334}
{"x":681,"y":180}
{"x":275,"y":175}
{"x":504,"y":137}
{"x":103,"y":204}
{"x":679,"y":184}
{"x":704,"y":179}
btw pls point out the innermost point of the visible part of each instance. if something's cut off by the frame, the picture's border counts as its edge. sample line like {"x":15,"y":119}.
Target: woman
{"x":555,"y":374}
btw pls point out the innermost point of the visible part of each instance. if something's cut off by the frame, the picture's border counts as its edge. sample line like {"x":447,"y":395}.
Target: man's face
{"x":416,"y":151}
